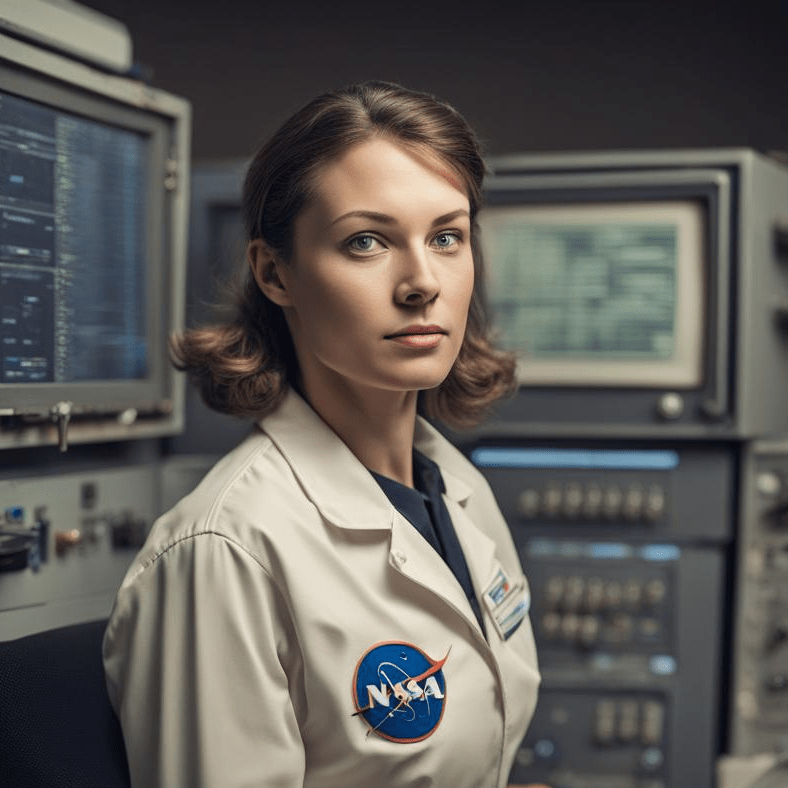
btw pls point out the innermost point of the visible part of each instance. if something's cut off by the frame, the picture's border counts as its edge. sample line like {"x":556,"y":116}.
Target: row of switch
{"x":588,"y":631}
{"x":634,"y":503}
{"x":629,"y":722}
{"x":594,"y":594}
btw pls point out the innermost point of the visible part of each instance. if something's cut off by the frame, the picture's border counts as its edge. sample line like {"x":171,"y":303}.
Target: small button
{"x":632,"y":504}
{"x":605,"y":722}
{"x":545,"y":750}
{"x":655,"y":591}
{"x":628,"y":721}
{"x":552,"y":500}
{"x":649,"y":628}
{"x":66,"y":540}
{"x":554,"y":591}
{"x":400,"y":557}
{"x":768,"y":483}
{"x":570,"y":627}
{"x":670,"y":405}
{"x":654,"y":505}
{"x":573,"y":500}
{"x":574,"y":593}
{"x":632,"y":593}
{"x":614,"y":594}
{"x":551,"y":625}
{"x":653,"y":723}
{"x":528,"y":503}
{"x":15,"y":514}
{"x":611,"y":502}
{"x":595,"y":594}
{"x":652,"y":758}
{"x":592,"y":501}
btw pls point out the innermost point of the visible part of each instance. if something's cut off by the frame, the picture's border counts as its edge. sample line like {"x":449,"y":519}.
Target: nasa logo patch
{"x":399,"y":691}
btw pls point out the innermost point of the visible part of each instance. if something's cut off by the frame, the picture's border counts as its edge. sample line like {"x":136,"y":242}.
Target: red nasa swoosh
{"x":432,"y":670}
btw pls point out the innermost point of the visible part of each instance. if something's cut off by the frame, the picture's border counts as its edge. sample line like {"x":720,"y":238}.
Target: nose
{"x":418,"y":284}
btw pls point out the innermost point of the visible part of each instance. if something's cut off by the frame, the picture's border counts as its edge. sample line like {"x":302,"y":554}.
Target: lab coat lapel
{"x":412,"y":556}
{"x":348,"y":496}
{"x":478,"y":548}
{"x":330,"y":474}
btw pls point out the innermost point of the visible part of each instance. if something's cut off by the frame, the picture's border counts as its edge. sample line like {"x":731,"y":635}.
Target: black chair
{"x":57,"y":727}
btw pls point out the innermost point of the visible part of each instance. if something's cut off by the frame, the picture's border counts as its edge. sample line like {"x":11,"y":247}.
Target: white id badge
{"x":508,"y":602}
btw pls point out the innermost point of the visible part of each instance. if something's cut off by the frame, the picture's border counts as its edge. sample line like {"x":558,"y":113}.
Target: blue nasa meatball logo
{"x":399,"y":691}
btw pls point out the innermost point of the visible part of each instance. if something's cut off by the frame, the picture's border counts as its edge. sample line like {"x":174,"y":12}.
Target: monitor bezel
{"x":109,"y":410}
{"x":707,"y":410}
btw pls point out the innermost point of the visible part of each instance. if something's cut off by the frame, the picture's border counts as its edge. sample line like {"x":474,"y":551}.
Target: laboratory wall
{"x":530,"y":76}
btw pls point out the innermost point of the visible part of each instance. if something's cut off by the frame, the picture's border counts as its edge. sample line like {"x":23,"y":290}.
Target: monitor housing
{"x":94,"y":204}
{"x":643,"y":292}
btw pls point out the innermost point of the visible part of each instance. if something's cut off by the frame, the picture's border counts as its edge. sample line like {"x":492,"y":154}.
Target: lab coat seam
{"x":207,"y":532}
{"x":264,"y":446}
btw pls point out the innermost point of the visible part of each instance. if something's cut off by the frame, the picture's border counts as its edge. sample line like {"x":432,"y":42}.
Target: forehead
{"x":381,"y":175}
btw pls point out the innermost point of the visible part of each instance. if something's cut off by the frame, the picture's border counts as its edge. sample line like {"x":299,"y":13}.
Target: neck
{"x":376,"y":425}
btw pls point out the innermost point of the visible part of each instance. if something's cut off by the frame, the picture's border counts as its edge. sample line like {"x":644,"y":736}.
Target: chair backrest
{"x":57,"y":727}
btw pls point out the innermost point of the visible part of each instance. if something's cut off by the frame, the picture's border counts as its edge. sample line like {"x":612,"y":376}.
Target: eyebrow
{"x":384,"y":218}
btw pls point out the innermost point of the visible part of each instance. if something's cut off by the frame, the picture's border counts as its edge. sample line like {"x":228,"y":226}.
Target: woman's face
{"x":378,"y":289}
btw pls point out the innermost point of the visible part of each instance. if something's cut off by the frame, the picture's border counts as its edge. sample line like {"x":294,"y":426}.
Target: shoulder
{"x":246,"y":495}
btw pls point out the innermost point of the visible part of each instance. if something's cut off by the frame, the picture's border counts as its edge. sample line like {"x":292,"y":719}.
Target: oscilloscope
{"x":643,"y":292}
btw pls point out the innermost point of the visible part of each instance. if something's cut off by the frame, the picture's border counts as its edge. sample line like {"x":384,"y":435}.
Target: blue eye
{"x":446,"y":240}
{"x":363,"y":243}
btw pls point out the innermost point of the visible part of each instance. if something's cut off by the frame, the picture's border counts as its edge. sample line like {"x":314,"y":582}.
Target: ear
{"x":266,"y":267}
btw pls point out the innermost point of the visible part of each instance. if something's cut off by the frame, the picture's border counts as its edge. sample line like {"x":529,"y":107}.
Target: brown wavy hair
{"x":244,"y":366}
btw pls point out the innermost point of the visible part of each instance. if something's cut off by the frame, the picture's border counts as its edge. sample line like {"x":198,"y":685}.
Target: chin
{"x":422,"y":383}
{"x":427,"y":374}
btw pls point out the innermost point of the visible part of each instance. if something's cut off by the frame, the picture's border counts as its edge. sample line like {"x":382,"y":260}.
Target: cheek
{"x":345,"y":303}
{"x":463,"y":287}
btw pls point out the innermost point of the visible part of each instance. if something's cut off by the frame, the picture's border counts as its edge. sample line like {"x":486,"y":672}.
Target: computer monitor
{"x":643,"y":292}
{"x":599,"y":294}
{"x":93,"y":202}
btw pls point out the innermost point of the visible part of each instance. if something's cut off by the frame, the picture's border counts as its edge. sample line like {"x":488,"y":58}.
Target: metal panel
{"x":625,"y":547}
{"x":66,"y":540}
{"x":759,"y":698}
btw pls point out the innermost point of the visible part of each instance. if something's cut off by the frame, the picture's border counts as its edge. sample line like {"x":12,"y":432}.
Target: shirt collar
{"x":333,"y":477}
{"x":410,"y":501}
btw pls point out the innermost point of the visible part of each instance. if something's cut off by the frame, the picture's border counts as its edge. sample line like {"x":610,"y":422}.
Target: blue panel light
{"x":660,"y":552}
{"x":606,"y":459}
{"x":608,"y":550}
{"x":663,"y":665}
{"x":554,"y":548}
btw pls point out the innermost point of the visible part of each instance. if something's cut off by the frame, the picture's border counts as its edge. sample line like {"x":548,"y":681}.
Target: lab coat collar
{"x":333,"y":477}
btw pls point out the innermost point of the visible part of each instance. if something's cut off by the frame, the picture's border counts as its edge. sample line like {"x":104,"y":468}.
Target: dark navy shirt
{"x":423,"y":507}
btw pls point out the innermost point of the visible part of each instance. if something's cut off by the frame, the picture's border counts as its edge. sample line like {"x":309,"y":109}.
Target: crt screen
{"x":561,"y":291}
{"x":72,"y":247}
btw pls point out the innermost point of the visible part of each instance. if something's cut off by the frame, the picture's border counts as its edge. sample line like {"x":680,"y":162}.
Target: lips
{"x":415,"y":331}
{"x":419,"y":337}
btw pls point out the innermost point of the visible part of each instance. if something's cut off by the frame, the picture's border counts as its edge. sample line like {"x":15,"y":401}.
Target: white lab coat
{"x":233,"y":646}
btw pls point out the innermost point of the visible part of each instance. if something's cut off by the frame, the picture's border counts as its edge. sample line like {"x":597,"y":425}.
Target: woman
{"x":339,"y":602}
